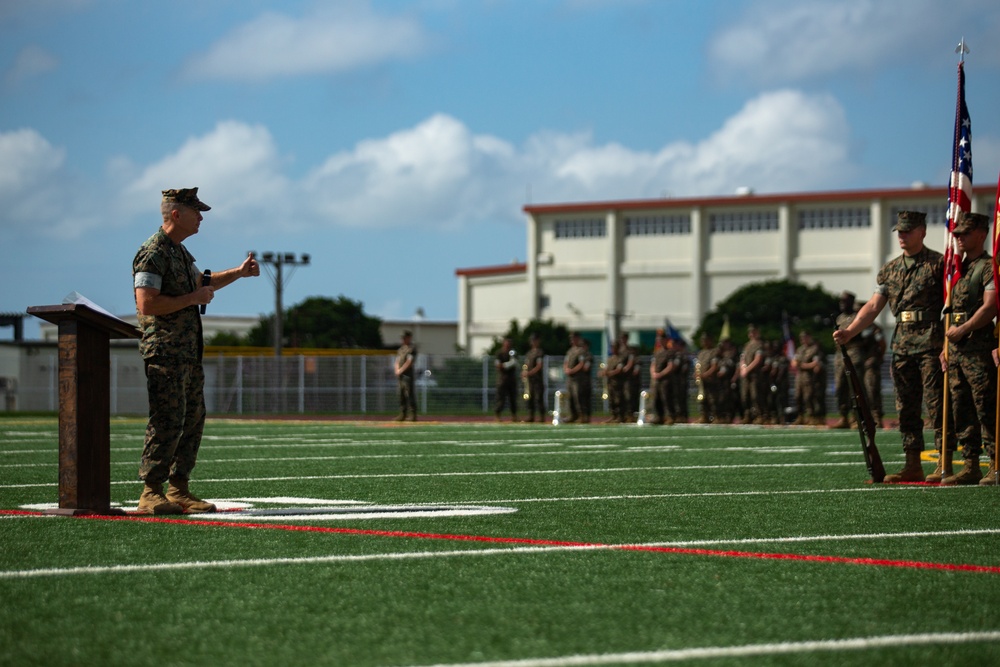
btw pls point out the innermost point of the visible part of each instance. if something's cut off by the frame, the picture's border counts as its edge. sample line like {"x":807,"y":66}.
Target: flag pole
{"x":996,"y":285}
{"x":952,"y":269}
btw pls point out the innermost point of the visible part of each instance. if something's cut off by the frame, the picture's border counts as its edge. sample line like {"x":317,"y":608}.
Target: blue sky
{"x":398,"y":141}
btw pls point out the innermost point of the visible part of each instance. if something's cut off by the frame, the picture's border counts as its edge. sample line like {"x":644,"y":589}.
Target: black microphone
{"x":206,"y":280}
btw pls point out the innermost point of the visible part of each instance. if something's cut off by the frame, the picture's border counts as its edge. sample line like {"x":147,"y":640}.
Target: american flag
{"x":996,"y":245}
{"x":960,"y":188}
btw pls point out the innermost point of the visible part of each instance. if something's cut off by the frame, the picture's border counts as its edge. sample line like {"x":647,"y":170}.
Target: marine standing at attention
{"x":912,"y":286}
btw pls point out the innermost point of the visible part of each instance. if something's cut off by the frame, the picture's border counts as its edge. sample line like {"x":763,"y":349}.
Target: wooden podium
{"x":84,"y":404}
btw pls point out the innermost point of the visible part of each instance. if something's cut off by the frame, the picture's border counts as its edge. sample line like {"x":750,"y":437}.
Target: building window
{"x":936,"y":215}
{"x":835,"y":218}
{"x":657,"y":225}
{"x":743,"y":221}
{"x":582,"y":228}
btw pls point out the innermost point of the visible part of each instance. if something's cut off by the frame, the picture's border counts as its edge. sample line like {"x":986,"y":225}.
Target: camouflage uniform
{"x":577,"y":385}
{"x":631,"y":381}
{"x":728,"y":401}
{"x":972,"y":376}
{"x":751,"y":391}
{"x":587,"y":382}
{"x":914,"y":290}
{"x":872,"y":374}
{"x":407,"y":392}
{"x":680,"y":382}
{"x":706,"y":375}
{"x":171,"y":347}
{"x":616,"y":387}
{"x":809,"y":397}
{"x":507,"y":367}
{"x":779,"y":385}
{"x":536,"y":384}
{"x":662,"y":357}
{"x":857,"y":349}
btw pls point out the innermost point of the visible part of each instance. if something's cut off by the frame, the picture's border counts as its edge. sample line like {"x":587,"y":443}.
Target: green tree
{"x":766,"y":304}
{"x":555,"y":337}
{"x":322,"y":322}
{"x":227,"y":339}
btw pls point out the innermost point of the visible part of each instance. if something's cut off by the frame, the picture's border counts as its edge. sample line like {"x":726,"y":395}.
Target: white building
{"x":599,"y":266}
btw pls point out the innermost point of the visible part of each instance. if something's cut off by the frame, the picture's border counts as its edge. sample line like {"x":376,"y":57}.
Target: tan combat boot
{"x":152,"y":501}
{"x":912,"y":471}
{"x":990,"y":478}
{"x":841,"y":423}
{"x":970,"y":474}
{"x":180,"y":494}
{"x":942,"y":469}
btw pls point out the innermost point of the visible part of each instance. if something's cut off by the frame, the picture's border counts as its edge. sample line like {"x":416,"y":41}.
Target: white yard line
{"x":579,"y":450}
{"x":491,"y":473}
{"x":744,"y":651}
{"x":306,"y":560}
{"x":339,"y":558}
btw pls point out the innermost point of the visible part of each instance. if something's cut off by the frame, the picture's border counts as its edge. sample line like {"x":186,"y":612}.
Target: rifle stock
{"x":866,"y":422}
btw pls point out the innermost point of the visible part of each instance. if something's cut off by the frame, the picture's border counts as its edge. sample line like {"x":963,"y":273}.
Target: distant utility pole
{"x":275,"y":262}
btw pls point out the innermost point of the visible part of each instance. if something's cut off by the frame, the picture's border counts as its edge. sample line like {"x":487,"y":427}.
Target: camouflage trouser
{"x":842,"y":388}
{"x":407,"y":396}
{"x":918,"y":380}
{"x":536,"y":396}
{"x":176,"y":420}
{"x":709,"y":407}
{"x":804,"y":389}
{"x":633,"y":390}
{"x":873,"y":386}
{"x":664,"y":399}
{"x":616,"y":397}
{"x":506,"y":393}
{"x":752,"y":395}
{"x":972,"y":379}
{"x":579,"y":398}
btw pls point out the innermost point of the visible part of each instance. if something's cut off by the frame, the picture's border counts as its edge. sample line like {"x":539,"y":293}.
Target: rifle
{"x":866,"y":422}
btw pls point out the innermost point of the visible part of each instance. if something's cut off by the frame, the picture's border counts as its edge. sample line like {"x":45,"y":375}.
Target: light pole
{"x":275,"y":262}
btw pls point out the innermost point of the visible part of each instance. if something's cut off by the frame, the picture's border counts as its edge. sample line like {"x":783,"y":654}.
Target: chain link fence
{"x":343,"y":385}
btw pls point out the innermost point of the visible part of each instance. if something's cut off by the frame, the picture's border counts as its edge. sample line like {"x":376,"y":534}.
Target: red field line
{"x":725,"y":553}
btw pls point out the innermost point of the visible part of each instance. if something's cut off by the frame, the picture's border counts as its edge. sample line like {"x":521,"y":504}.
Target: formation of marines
{"x":934,"y":344}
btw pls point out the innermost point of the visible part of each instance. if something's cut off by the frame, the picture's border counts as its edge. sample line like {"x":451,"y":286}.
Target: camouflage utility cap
{"x":186,"y":196}
{"x":909,"y":220}
{"x":970,"y":221}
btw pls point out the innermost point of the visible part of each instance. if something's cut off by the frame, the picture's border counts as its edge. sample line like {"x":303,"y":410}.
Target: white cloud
{"x":778,"y":41}
{"x":236,"y":166}
{"x":26,"y":160}
{"x":779,"y":141}
{"x":440,"y":174}
{"x":436,"y":173}
{"x":333,"y":40}
{"x":31,"y":180}
{"x":31,"y":61}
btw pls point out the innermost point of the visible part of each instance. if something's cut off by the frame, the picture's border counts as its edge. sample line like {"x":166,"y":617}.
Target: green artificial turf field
{"x":498,"y":544}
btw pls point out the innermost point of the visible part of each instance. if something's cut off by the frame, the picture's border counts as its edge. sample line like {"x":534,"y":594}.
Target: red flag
{"x":960,"y":187}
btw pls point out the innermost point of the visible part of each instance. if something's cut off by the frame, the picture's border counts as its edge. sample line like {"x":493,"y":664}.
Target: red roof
{"x":730,"y":200}
{"x":503,"y":269}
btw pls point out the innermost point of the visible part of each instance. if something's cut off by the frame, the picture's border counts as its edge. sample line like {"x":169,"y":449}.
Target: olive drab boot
{"x":152,"y":501}
{"x":944,"y":468}
{"x":970,"y":474}
{"x":912,"y":471}
{"x":180,"y":494}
